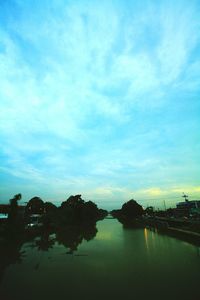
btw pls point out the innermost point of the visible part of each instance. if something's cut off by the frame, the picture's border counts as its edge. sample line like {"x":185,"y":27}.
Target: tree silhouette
{"x":13,"y":213}
{"x":75,"y":209}
{"x":35,"y":206}
{"x":130,"y":213}
{"x":132,"y":209}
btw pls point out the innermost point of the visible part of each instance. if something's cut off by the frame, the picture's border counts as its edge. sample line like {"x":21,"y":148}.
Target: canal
{"x":106,"y":262}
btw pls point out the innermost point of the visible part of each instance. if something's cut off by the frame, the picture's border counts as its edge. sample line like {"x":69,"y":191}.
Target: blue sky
{"x":100,"y":98}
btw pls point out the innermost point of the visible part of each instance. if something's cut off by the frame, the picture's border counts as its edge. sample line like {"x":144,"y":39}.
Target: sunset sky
{"x":100,"y":98}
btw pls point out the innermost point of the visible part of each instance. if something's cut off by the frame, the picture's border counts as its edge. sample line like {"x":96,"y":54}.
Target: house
{"x":3,"y":218}
{"x":34,"y":220}
{"x":188,"y":208}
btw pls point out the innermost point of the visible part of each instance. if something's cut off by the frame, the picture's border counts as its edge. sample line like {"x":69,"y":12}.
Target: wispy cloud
{"x":99,"y":97}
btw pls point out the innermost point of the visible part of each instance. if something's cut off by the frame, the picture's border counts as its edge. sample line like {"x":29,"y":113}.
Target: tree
{"x":132,"y":209}
{"x":149,"y":211}
{"x":15,"y":223}
{"x":14,"y":208}
{"x":49,"y":207}
{"x":90,"y":211}
{"x":35,"y":206}
{"x":76,"y":210}
{"x":50,"y":213}
{"x":73,"y":202}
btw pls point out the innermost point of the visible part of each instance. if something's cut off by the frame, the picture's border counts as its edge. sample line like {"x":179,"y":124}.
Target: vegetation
{"x":14,"y":208}
{"x":73,"y":212}
{"x":35,"y":206}
{"x":72,"y":222}
{"x":129,"y":214}
{"x":76,"y":210}
{"x":15,"y":219}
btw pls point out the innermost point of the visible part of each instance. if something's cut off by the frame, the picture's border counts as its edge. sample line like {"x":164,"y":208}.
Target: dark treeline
{"x":69,"y":225}
{"x":130,"y":213}
{"x":72,"y":211}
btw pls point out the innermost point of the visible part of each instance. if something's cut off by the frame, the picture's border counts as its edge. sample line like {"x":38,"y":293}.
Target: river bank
{"x":179,"y":228}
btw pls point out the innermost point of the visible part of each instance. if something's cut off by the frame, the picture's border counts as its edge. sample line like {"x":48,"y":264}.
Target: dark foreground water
{"x":116,"y":264}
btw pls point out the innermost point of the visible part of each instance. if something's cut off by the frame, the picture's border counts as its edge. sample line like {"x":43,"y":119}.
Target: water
{"x":116,"y":264}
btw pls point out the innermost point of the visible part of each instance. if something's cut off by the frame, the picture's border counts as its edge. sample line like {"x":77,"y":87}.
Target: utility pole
{"x":185,"y":197}
{"x":165,"y":205}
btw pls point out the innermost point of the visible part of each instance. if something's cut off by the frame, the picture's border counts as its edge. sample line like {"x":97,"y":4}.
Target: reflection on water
{"x":72,"y":236}
{"x":146,"y":238}
{"x":10,"y":253}
{"x":112,"y":262}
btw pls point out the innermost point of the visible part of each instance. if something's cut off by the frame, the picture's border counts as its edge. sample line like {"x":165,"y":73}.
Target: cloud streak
{"x":99,"y":98}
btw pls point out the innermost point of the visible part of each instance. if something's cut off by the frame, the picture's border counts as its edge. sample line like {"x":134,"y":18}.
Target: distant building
{"x":3,"y":216}
{"x":188,"y":208}
{"x":4,"y":208}
{"x":34,"y":220}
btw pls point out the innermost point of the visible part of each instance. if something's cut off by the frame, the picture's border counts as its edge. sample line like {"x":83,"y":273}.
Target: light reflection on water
{"x":146,"y":238}
{"x":117,"y":262}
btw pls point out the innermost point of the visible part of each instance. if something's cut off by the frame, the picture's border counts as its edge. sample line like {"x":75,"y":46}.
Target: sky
{"x":100,"y":98}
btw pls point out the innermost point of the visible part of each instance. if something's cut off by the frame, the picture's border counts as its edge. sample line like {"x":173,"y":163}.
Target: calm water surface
{"x":117,"y":263}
